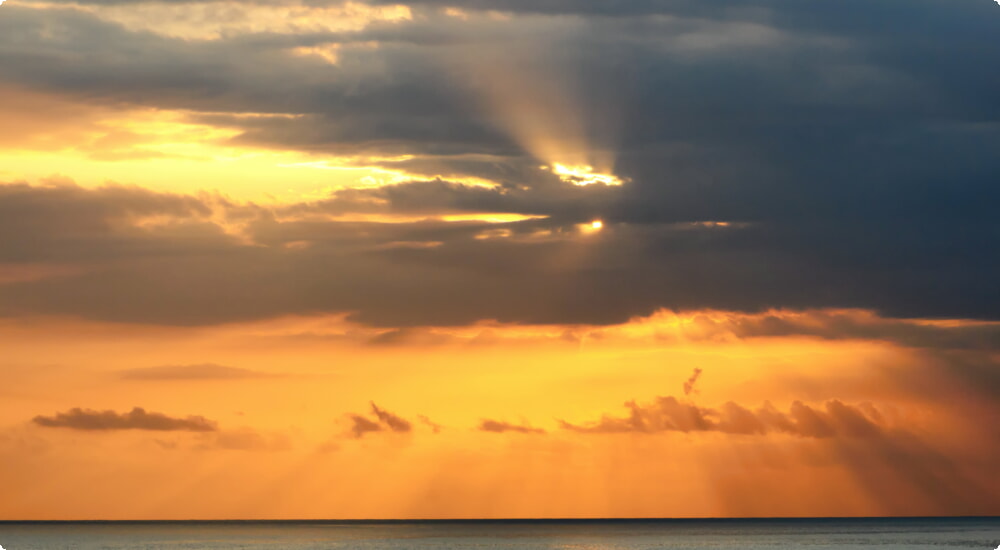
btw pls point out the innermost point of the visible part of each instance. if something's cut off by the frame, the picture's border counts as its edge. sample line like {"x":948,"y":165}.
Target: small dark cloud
{"x":362,"y":426}
{"x":689,"y":384}
{"x":383,"y":421}
{"x":136,"y":419}
{"x":206,"y":371}
{"x":392,"y":421}
{"x":496,"y":426}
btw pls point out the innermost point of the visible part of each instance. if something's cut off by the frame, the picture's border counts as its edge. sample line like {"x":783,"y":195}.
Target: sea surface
{"x":812,"y":534}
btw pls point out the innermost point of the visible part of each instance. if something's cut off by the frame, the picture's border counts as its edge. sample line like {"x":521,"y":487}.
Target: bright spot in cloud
{"x":583,"y":175}
{"x":590,"y":228}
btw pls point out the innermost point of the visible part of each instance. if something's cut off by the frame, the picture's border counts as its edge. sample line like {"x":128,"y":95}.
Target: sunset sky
{"x":499,"y":258}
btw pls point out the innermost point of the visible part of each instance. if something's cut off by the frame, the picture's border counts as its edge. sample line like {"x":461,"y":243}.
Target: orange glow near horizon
{"x":282,"y":393}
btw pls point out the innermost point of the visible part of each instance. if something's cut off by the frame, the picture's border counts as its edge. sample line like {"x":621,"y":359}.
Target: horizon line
{"x":513,"y":520}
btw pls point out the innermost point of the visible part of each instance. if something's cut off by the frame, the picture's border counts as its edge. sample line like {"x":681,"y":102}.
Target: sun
{"x":590,"y":228}
{"x":583,"y":175}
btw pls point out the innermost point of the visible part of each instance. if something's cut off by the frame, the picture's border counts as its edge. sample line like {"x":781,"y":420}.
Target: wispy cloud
{"x":496,"y":426}
{"x":205,"y":371}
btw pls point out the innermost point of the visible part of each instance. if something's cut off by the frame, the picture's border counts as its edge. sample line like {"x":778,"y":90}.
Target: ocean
{"x":772,"y":534}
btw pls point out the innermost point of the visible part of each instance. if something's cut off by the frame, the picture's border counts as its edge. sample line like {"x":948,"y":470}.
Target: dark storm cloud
{"x":190,"y":271}
{"x":851,"y":144}
{"x":136,"y":419}
{"x":497,"y":426}
{"x":389,"y":100}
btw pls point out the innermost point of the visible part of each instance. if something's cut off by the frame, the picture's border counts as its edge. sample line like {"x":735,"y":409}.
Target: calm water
{"x":890,"y":534}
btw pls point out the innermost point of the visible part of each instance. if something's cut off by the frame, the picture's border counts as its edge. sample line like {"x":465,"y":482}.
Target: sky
{"x":499,"y":258}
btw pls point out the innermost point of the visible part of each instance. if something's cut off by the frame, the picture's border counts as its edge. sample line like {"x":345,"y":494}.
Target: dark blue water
{"x":884,"y":534}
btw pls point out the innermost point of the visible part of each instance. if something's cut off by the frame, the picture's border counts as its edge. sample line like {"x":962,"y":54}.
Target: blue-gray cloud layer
{"x":851,"y":145}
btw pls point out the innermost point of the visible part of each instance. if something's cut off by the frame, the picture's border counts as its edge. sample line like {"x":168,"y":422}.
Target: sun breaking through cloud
{"x":584,"y":175}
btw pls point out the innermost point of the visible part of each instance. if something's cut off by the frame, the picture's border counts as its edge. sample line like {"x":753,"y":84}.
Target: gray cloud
{"x":170,"y":273}
{"x":850,"y":146}
{"x":136,"y":419}
{"x":65,"y":222}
